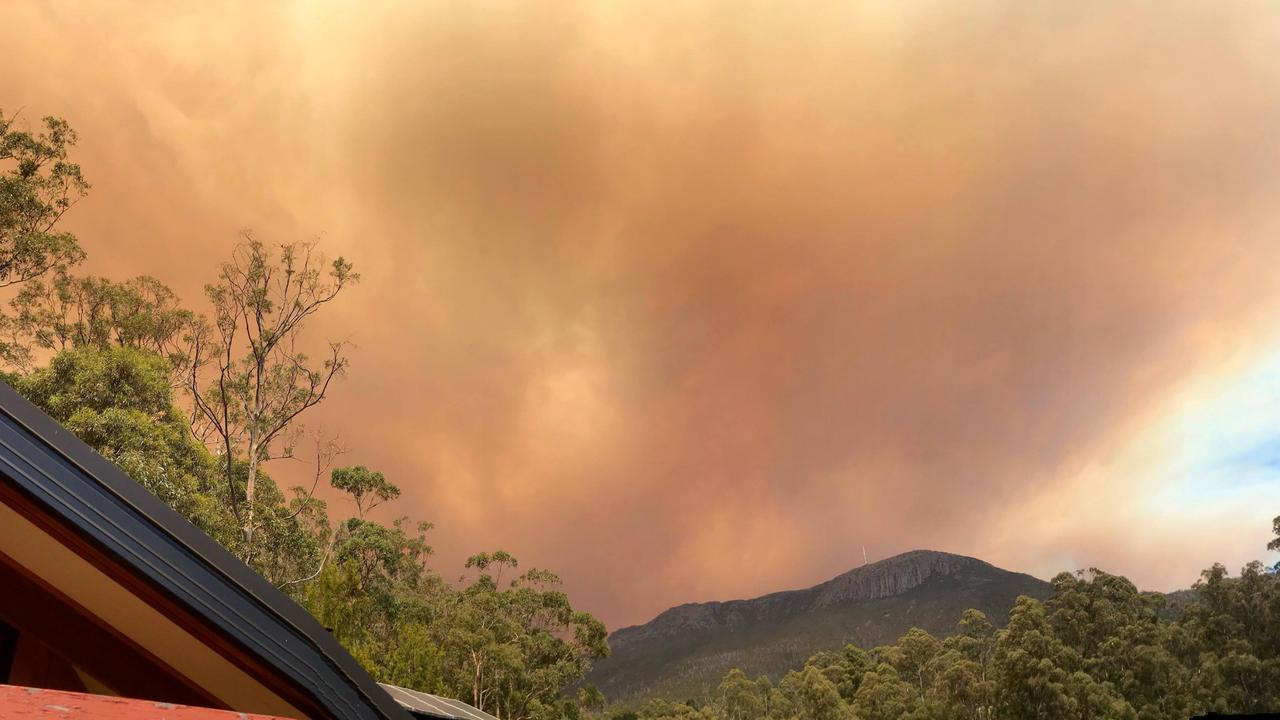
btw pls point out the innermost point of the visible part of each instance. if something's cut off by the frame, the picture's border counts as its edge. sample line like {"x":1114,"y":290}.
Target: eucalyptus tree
{"x":368,"y":488}
{"x":247,"y":377}
{"x":513,"y":647}
{"x":811,"y":695}
{"x":884,"y":695}
{"x":739,"y":697}
{"x":68,"y":311}
{"x":38,"y":184}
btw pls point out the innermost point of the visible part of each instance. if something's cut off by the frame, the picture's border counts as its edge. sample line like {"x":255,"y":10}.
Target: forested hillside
{"x":685,"y":651}
{"x":1097,"y":649}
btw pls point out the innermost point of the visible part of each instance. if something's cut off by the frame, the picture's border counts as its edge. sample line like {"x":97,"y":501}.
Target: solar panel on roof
{"x":464,"y":710}
{"x":434,"y":706}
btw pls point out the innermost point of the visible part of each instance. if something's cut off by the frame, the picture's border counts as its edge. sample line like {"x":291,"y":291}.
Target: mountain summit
{"x":684,"y":651}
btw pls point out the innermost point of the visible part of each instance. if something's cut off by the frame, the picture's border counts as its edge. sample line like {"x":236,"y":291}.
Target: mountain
{"x":684,"y":652}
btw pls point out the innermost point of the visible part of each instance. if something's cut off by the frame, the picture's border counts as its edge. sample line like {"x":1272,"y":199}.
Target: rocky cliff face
{"x":893,"y":576}
{"x":685,"y":650}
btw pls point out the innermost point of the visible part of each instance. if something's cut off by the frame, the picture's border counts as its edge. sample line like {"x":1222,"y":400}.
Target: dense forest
{"x":198,"y":405}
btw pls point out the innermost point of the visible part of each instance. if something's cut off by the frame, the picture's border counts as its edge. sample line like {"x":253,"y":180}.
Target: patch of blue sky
{"x":1221,"y":443}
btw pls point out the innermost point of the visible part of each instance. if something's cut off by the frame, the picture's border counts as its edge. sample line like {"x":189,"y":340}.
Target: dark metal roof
{"x":91,"y":498}
{"x":426,"y":705}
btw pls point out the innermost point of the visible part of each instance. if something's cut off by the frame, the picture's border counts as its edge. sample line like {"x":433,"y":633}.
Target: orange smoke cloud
{"x":692,"y":301}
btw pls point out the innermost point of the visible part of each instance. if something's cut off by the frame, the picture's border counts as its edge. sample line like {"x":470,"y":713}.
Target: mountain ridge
{"x":848,"y":581}
{"x":685,"y":649}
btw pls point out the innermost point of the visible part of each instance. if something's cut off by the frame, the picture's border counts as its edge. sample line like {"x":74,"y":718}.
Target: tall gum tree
{"x":248,"y":379}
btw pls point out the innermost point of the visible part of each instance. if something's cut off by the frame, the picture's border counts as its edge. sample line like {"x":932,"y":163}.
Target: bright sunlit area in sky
{"x":1221,"y":442}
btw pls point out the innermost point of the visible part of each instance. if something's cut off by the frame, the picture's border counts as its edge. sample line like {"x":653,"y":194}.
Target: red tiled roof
{"x":24,"y":703}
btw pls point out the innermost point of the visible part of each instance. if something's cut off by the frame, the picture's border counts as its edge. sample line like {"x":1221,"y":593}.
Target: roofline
{"x":435,"y":706}
{"x":138,"y":534}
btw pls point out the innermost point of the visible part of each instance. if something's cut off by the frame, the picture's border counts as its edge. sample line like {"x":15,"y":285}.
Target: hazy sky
{"x":693,"y":300}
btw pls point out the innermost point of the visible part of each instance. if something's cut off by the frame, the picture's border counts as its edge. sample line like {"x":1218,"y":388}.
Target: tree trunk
{"x":249,"y":485}
{"x":255,"y":453}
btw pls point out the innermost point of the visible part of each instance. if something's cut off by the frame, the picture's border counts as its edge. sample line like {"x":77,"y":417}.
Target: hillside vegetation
{"x":1097,"y":649}
{"x":685,"y":651}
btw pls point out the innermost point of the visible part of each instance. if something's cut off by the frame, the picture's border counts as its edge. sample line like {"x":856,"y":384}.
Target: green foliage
{"x":245,"y":374}
{"x":119,"y":401}
{"x":1274,"y":544}
{"x":507,"y":649}
{"x":740,"y":697}
{"x":659,"y":709}
{"x":71,"y":312}
{"x":913,"y":658}
{"x":367,"y":487}
{"x":38,"y":184}
{"x":810,"y":694}
{"x":293,"y":531}
{"x":883,"y":694}
{"x":518,"y":645}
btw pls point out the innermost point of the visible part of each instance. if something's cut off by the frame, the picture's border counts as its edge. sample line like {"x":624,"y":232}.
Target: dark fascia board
{"x":94,"y":499}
